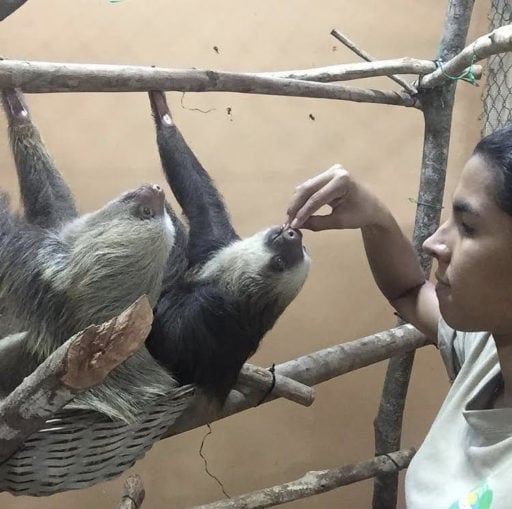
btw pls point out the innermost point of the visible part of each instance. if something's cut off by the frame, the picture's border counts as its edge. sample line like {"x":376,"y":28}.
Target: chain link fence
{"x":498,"y":90}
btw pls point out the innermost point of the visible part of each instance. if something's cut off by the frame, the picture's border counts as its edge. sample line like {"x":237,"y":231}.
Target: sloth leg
{"x":47,"y":200}
{"x":202,"y":204}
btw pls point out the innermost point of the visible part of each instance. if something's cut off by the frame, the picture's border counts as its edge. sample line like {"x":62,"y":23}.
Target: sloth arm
{"x":47,"y":199}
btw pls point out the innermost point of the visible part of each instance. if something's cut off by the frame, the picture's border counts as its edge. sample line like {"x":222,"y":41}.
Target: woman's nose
{"x":436,"y":245}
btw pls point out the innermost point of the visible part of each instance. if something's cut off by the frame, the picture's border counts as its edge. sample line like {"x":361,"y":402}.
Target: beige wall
{"x":104,"y":144}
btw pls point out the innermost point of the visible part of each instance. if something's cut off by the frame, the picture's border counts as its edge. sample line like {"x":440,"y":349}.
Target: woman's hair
{"x":496,"y":150}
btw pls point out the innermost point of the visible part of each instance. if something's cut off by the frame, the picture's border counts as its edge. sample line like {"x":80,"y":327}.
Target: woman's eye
{"x":467,"y":229}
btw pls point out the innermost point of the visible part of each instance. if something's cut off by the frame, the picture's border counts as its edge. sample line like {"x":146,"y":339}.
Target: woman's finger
{"x":311,"y":186}
{"x":332,"y":192}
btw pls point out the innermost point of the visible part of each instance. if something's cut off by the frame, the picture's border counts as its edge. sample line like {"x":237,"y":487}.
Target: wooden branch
{"x":46,"y":77}
{"x":437,"y":109}
{"x":498,"y":41}
{"x":133,"y":493}
{"x":260,"y":379}
{"x":313,"y":369}
{"x":337,"y":360}
{"x":7,"y":7}
{"x":365,"y":56}
{"x":388,"y":425}
{"x":316,"y":482}
{"x":345,"y":72}
{"x":82,"y":362}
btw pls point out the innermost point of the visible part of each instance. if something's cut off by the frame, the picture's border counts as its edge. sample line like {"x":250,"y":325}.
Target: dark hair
{"x":496,"y":149}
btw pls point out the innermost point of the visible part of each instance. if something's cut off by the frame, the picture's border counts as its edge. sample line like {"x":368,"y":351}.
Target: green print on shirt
{"x":478,"y":498}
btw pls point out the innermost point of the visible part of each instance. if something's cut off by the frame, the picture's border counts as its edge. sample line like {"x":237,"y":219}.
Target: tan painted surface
{"x":104,"y":144}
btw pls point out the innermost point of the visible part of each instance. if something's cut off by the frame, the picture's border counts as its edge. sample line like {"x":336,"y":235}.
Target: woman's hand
{"x":390,"y":254}
{"x":353,"y":205}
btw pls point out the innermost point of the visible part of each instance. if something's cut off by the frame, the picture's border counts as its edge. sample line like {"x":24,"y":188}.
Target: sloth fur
{"x":60,"y":273}
{"x":221,"y":294}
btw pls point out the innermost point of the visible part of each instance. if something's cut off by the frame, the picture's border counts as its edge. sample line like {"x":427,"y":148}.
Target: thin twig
{"x":365,"y":56}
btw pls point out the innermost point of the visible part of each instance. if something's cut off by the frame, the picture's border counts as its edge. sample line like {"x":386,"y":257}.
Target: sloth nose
{"x":292,"y":234}
{"x":152,"y":196}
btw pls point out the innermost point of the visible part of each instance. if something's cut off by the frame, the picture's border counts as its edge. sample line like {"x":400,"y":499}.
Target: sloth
{"x":221,"y":293}
{"x":60,"y":272}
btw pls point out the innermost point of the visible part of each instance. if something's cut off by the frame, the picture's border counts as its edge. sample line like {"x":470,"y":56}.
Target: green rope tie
{"x":425,"y":204}
{"x":467,"y":75}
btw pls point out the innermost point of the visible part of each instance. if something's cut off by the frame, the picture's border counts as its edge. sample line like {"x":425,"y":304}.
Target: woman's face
{"x":473,"y":249}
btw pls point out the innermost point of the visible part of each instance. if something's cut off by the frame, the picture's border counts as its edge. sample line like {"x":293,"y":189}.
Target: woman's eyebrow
{"x":461,"y":207}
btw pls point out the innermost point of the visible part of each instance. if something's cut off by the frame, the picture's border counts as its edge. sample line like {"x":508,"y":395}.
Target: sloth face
{"x":286,"y":244}
{"x":145,"y":205}
{"x":146,"y":202}
{"x":272,"y":264}
{"x":120,"y":251}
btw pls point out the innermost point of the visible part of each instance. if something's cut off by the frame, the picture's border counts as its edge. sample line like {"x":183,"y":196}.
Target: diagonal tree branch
{"x":82,"y":362}
{"x":313,"y":369}
{"x":316,"y":482}
{"x":498,"y":41}
{"x":345,"y":72}
{"x":365,"y":56}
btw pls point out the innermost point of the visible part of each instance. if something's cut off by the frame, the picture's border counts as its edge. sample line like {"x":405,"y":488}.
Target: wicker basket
{"x":77,"y":449}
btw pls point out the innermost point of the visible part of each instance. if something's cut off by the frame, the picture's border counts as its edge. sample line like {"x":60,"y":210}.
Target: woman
{"x":466,"y":458}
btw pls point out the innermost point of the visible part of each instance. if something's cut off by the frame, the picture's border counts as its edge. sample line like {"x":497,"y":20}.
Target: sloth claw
{"x":159,"y":107}
{"x":14,"y":104}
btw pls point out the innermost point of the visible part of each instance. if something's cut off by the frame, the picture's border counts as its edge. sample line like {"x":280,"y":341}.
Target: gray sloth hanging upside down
{"x":60,"y":273}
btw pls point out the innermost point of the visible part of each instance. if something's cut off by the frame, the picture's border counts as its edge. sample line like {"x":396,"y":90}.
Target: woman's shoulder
{"x":457,"y":346}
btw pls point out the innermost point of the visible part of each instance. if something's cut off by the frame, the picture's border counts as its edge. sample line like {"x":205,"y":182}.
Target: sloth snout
{"x":292,"y":234}
{"x":152,"y":196}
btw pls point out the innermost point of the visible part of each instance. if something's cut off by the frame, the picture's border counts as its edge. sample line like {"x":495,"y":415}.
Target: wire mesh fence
{"x":498,"y":90}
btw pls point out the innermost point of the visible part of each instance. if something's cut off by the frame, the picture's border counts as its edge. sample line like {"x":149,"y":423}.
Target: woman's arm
{"x":391,"y":256}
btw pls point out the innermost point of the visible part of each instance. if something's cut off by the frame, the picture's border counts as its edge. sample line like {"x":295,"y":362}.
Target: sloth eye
{"x":277,"y":264}
{"x":146,"y":213}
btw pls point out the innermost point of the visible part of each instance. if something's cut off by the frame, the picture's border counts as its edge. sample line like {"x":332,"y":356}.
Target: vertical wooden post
{"x":437,"y":108}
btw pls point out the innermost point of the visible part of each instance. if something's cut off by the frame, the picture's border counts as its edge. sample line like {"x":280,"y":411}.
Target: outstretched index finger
{"x":324,"y":189}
